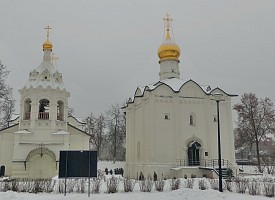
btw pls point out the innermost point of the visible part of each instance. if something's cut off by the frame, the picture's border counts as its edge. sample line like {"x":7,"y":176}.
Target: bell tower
{"x":44,"y":99}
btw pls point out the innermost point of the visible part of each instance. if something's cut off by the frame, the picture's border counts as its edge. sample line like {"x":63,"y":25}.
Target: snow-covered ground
{"x":182,"y":193}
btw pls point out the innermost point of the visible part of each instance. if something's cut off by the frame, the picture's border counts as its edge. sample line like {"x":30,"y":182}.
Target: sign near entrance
{"x":77,"y":164}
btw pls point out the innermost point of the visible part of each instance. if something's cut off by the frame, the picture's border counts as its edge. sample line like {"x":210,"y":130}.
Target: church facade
{"x":30,"y":146}
{"x":171,"y":126}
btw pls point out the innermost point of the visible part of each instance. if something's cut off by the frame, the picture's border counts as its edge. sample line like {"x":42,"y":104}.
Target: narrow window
{"x":191,"y":120}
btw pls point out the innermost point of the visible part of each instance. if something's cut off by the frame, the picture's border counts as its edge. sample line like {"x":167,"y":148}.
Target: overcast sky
{"x":108,"y":48}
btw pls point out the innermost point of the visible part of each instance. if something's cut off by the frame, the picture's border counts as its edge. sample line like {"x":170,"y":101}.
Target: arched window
{"x":27,"y":109}
{"x":60,"y":110}
{"x":43,"y":109}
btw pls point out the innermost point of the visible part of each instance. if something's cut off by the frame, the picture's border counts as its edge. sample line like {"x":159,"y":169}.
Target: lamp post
{"x":218,"y":97}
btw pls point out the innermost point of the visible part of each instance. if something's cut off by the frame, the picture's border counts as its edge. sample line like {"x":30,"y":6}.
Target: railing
{"x":214,"y":163}
{"x":43,"y":115}
{"x":27,"y":116}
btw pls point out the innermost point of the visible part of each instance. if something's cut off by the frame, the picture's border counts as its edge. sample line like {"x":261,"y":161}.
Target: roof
{"x":79,"y":129}
{"x":175,"y":84}
{"x":45,"y":75}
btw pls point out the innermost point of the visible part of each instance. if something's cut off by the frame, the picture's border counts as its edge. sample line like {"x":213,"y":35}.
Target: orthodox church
{"x":172,"y":125}
{"x":30,"y":146}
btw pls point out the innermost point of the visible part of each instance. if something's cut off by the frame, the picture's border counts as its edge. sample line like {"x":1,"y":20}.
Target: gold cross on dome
{"x":48,"y":32}
{"x":167,"y":20}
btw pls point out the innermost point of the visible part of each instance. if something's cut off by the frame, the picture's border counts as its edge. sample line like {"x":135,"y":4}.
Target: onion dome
{"x":169,"y":49}
{"x":47,"y":45}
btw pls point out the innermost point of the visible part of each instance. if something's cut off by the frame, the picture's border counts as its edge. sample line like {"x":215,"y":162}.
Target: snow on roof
{"x":174,"y":83}
{"x":46,"y":75}
{"x":25,"y":131}
{"x":61,"y":132}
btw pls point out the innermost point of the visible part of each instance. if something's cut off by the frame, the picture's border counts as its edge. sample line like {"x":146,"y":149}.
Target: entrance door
{"x":41,"y":167}
{"x":194,"y":154}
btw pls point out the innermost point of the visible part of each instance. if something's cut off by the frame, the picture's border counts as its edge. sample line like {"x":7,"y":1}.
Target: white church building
{"x":171,"y":125}
{"x":30,"y":146}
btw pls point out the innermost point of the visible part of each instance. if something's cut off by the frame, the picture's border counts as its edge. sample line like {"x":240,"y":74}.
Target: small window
{"x":166,"y":116}
{"x":46,"y":77}
{"x":192,"y":119}
{"x":206,"y":153}
{"x":215,"y":118}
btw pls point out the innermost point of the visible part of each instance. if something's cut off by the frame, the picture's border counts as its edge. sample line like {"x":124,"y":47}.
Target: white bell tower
{"x":44,"y":99}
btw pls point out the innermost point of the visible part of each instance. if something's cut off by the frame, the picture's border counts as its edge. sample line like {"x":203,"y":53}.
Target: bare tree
{"x":115,"y":124}
{"x":6,"y":98}
{"x":256,"y":118}
{"x":95,"y":127}
{"x":70,"y":112}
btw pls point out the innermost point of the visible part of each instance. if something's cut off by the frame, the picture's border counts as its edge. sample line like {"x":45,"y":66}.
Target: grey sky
{"x":108,"y":48}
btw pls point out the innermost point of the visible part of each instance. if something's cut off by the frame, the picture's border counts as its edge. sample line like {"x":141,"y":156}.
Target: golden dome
{"x":47,"y":45}
{"x":169,"y":49}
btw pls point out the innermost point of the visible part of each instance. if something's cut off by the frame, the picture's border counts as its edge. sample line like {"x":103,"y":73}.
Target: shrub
{"x":112,"y":185}
{"x":214,"y":183}
{"x":203,"y":184}
{"x":128,"y":184}
{"x":190,"y":183}
{"x":269,"y":189}
{"x":159,"y":185}
{"x":96,"y":184}
{"x":254,"y":188}
{"x":241,"y":185}
{"x":146,"y":185}
{"x":175,"y":184}
{"x":229,"y":186}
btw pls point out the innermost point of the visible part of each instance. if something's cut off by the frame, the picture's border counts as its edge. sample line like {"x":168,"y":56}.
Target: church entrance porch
{"x":206,"y":168}
{"x":41,"y":163}
{"x":41,"y":167}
